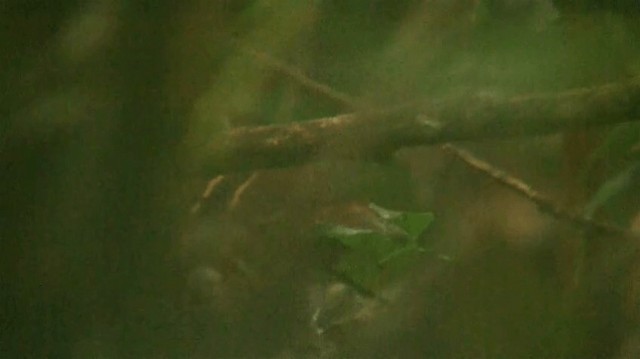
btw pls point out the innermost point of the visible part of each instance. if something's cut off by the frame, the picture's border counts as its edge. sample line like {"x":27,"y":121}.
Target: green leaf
{"x":384,"y":213}
{"x":378,"y":255}
{"x":361,"y":268}
{"x":414,"y":223}
{"x":347,"y":236}
{"x":400,"y":253}
{"x":399,"y":263}
{"x":361,"y":240}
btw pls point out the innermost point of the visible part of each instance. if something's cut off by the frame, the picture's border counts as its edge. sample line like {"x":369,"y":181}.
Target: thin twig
{"x":211,"y":185}
{"x":242,"y":188}
{"x":545,"y":204}
{"x":298,"y":77}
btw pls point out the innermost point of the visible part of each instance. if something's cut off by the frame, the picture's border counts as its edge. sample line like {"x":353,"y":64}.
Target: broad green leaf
{"x":398,"y":264}
{"x":385,"y":213}
{"x":362,"y":240}
{"x":379,"y":255}
{"x":347,"y":236}
{"x":361,"y":268}
{"x":400,"y":253}
{"x":414,"y":223}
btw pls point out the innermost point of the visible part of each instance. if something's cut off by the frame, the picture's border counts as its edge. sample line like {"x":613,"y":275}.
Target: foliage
{"x":375,"y":257}
{"x":113,"y":103}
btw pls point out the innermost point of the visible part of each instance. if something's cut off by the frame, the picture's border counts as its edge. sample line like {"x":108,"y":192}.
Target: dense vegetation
{"x":322,"y":179}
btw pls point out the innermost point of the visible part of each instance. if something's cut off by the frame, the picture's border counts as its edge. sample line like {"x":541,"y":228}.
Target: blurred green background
{"x":109,"y":106}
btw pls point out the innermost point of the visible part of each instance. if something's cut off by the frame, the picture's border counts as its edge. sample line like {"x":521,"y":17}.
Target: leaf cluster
{"x":374,"y":257}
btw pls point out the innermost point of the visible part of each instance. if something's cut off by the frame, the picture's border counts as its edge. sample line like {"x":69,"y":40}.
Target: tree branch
{"x":545,"y":204}
{"x":378,"y":133}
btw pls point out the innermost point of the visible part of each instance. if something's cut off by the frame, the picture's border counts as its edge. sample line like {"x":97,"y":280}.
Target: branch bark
{"x":379,"y":133}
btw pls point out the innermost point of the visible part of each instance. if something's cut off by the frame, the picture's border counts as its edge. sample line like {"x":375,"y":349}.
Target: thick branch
{"x":381,"y":133}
